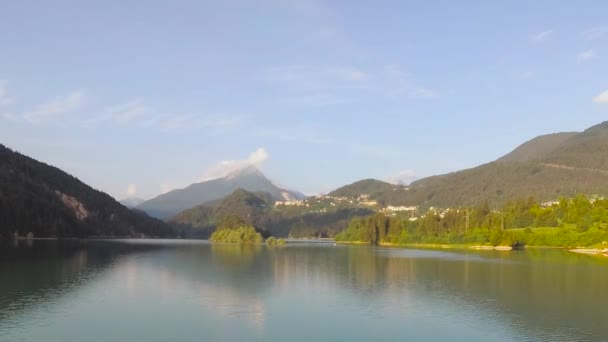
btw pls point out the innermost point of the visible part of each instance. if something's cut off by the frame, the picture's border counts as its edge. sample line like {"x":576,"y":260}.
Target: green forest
{"x":567,"y":223}
{"x":245,"y":234}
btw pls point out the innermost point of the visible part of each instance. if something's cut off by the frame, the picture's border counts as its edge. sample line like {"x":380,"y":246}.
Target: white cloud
{"x":4,"y":98}
{"x":61,"y":105}
{"x":601,"y":98}
{"x":404,"y":177}
{"x":316,"y":77}
{"x":225,"y":167}
{"x":586,"y":55}
{"x":542,"y":35}
{"x":595,"y":33}
{"x":401,"y":83}
{"x":131,"y":190}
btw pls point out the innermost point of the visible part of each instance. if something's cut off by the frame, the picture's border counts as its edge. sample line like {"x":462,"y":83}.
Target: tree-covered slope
{"x":499,"y":182}
{"x":372,"y":187}
{"x":586,"y":150}
{"x":42,"y":199}
{"x":537,"y":148}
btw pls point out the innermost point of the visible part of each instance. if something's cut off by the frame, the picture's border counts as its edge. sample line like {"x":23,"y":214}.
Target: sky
{"x":140,"y":97}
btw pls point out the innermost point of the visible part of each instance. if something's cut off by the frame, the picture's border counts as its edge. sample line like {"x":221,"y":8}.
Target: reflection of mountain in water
{"x":537,"y":294}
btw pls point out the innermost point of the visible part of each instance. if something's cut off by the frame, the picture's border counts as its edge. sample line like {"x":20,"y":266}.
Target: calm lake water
{"x":146,"y":290}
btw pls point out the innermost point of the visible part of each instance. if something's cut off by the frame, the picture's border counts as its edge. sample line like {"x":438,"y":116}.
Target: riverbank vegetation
{"x":565,"y":223}
{"x":234,"y":230}
{"x":272,"y":241}
{"x":243,"y":234}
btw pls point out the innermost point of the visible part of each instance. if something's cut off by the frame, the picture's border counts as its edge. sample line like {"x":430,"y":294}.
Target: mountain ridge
{"x":249,"y":178}
{"x":39,"y":198}
{"x":545,"y":167}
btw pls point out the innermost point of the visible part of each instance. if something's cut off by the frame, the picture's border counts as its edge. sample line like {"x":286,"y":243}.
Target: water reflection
{"x":225,"y":292}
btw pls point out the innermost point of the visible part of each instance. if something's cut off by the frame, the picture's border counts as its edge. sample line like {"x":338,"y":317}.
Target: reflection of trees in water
{"x":235,"y":256}
{"x":548,"y":291}
{"x":41,"y":271}
{"x":544,"y":293}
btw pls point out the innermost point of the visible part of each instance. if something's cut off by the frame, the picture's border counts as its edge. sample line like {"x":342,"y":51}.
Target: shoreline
{"x":429,"y":245}
{"x":591,"y":251}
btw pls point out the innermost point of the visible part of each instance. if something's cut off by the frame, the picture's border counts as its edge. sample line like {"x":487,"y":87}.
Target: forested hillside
{"x":44,"y":200}
{"x":258,"y":210}
{"x":546,"y":167}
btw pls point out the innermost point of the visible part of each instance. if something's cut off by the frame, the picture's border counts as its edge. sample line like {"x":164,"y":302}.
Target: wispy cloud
{"x":225,"y":167}
{"x":127,"y":112}
{"x":586,"y":55}
{"x":295,"y":133}
{"x":56,"y":107}
{"x":9,"y":116}
{"x":402,"y":83}
{"x":526,"y":75}
{"x":378,"y":151}
{"x":601,"y":98}
{"x":317,"y":77}
{"x":595,"y":33}
{"x":542,"y":35}
{"x":404,"y":177}
{"x":130,"y":112}
{"x":214,"y":124}
{"x":4,"y":98}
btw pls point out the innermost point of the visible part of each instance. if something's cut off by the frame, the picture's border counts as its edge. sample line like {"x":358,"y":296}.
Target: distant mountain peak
{"x":249,"y":170}
{"x":247,"y":178}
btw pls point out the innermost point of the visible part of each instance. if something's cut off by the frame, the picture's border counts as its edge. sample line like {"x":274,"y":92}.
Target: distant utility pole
{"x":466,"y":224}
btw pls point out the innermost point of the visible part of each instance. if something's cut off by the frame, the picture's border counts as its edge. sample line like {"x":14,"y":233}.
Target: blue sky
{"x":138,"y":97}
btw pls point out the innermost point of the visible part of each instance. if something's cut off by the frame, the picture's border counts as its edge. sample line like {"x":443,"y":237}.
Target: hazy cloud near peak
{"x":404,"y":177}
{"x":225,"y":167}
{"x":131,"y":190}
{"x":166,"y":187}
{"x":601,"y":98}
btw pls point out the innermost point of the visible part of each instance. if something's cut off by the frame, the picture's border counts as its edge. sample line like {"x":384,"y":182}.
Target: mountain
{"x":546,"y":167}
{"x":372,"y":187}
{"x":249,"y":207}
{"x":537,"y":148}
{"x":46,"y":201}
{"x":259,"y":210}
{"x":249,"y":178}
{"x":131,"y":202}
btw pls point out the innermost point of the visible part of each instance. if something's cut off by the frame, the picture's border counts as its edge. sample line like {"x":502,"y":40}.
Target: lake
{"x":160,"y":290}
